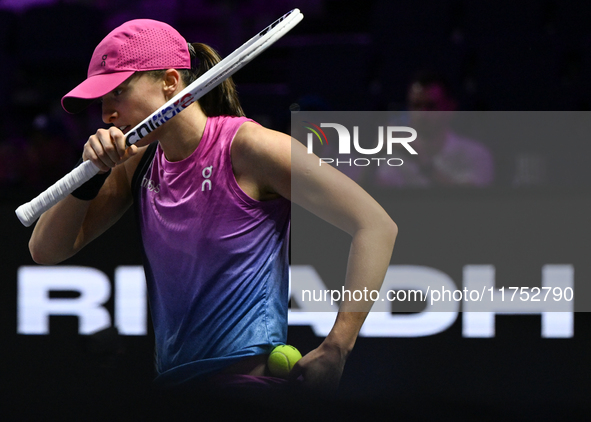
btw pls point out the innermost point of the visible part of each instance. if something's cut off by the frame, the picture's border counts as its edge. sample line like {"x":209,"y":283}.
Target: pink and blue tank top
{"x":216,"y":260}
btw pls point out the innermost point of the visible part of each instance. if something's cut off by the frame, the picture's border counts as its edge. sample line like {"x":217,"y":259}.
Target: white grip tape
{"x":29,"y":212}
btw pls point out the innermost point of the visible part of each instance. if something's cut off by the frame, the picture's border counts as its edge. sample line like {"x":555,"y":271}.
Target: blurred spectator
{"x":443,"y":158}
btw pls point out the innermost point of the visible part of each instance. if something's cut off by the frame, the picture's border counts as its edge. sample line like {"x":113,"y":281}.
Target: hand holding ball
{"x":282,"y":359}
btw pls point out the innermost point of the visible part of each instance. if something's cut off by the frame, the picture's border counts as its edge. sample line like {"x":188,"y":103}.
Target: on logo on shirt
{"x":206,"y":173}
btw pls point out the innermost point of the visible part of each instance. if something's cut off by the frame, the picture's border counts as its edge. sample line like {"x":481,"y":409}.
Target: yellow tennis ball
{"x":282,"y":359}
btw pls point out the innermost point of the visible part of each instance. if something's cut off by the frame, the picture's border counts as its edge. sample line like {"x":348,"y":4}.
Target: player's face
{"x":132,"y":101}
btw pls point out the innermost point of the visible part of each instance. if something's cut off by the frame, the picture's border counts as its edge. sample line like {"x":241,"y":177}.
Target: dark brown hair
{"x":221,"y":100}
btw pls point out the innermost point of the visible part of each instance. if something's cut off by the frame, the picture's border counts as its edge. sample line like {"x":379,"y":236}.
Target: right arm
{"x":72,"y":223}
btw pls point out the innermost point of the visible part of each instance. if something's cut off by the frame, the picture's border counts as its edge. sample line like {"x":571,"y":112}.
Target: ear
{"x":171,"y":82}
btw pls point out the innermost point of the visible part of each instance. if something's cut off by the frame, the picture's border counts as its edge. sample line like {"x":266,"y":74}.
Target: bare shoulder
{"x":253,"y":138}
{"x":261,"y":160}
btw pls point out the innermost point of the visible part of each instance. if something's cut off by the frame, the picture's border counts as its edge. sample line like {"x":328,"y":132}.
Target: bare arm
{"x":283,"y":166}
{"x":72,"y":223}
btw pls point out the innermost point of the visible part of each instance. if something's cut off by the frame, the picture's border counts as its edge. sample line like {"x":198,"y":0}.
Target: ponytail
{"x":221,"y":100}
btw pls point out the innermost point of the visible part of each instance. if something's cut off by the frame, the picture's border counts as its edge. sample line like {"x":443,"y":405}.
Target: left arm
{"x":283,"y":167}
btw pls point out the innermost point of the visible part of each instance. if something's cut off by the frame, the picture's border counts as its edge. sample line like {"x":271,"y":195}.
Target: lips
{"x":123,"y":128}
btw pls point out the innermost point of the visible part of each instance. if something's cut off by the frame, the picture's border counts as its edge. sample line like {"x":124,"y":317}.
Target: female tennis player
{"x":211,"y":191}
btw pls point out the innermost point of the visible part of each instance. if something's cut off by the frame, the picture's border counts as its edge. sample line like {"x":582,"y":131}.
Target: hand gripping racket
{"x":28,"y":213}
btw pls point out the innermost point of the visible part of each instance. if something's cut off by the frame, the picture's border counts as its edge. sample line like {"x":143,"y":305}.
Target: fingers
{"x":130,"y":152}
{"x":296,"y":372}
{"x":106,"y":149}
{"x":318,"y":371}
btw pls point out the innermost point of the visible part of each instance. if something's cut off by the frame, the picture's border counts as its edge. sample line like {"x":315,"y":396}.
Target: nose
{"x":109,"y":113}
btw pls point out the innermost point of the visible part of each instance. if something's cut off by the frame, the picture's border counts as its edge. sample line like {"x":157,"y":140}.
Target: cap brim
{"x":92,"y":88}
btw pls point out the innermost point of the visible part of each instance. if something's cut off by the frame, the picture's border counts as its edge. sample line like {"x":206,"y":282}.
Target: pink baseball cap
{"x":137,"y":45}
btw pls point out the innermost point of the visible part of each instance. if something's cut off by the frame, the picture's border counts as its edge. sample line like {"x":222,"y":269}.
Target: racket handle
{"x":28,"y":213}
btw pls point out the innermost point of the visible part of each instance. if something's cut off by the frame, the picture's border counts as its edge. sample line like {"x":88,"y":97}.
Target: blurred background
{"x":501,"y":55}
{"x":487,"y":56}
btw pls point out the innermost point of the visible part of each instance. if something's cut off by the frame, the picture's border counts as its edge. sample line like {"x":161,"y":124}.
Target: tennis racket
{"x":28,"y":213}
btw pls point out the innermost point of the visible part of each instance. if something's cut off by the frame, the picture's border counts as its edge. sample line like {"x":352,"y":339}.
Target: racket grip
{"x":28,"y":213}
